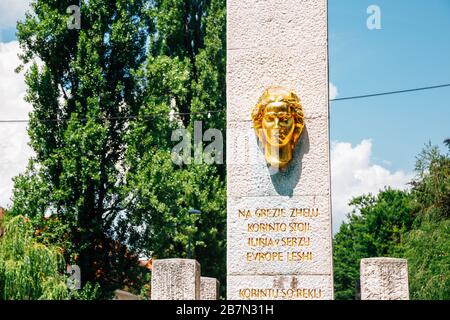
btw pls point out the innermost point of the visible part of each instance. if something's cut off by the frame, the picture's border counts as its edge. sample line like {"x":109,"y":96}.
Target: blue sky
{"x":412,"y":49}
{"x":7,"y":34}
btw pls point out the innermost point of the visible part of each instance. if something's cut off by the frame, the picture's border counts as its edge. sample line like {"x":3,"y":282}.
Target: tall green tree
{"x":82,"y":92}
{"x":427,"y":245}
{"x":184,"y":79}
{"x":104,"y":99}
{"x":414,"y":225}
{"x":375,"y":228}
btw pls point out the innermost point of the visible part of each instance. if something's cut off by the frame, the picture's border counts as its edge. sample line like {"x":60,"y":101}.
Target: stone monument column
{"x":384,"y":279}
{"x":175,"y":279}
{"x":278,"y":222}
{"x":209,"y":288}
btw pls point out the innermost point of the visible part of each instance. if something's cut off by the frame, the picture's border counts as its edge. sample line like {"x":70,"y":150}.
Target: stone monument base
{"x":176,"y":279}
{"x":384,"y":279}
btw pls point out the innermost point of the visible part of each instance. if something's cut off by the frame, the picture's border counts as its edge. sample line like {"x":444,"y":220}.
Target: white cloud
{"x":333,"y":91}
{"x":11,"y":11}
{"x":14,"y":151}
{"x":353,"y":174}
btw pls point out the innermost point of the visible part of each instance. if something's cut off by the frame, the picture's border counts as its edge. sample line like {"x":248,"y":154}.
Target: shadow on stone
{"x":285,"y":181}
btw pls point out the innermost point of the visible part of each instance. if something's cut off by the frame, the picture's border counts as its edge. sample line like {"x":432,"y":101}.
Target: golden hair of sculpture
{"x":278,"y":120}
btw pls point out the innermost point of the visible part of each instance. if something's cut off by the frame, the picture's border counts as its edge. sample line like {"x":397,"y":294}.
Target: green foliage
{"x":374,"y":228}
{"x":145,"y":292}
{"x":87,"y":75}
{"x":29,"y":270}
{"x":108,"y":180}
{"x":413,"y":225}
{"x":427,"y":246}
{"x":431,"y":188}
{"x":184,"y":72}
{"x":89,"y":292}
{"x":427,"y":250}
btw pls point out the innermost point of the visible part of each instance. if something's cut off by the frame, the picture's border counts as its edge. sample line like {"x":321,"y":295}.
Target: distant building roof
{"x":146,"y":263}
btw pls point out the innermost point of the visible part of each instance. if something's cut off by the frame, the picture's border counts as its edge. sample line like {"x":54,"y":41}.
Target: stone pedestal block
{"x":176,"y":279}
{"x":384,"y":279}
{"x":209,"y":288}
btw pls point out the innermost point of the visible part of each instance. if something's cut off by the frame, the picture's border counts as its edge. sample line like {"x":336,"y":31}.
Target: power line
{"x":151,"y":115}
{"x":391,"y":92}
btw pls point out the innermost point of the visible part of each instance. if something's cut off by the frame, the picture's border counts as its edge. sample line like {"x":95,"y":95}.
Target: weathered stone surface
{"x":124,"y":295}
{"x":301,"y":235}
{"x":384,"y":279}
{"x":175,"y":279}
{"x":274,"y":42}
{"x":209,"y":288}
{"x":250,"y":72}
{"x":276,"y":24}
{"x":278,"y":43}
{"x":285,"y":287}
{"x":308,"y":174}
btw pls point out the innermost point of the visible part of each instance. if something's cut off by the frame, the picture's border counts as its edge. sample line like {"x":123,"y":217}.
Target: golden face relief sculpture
{"x":278,"y":122}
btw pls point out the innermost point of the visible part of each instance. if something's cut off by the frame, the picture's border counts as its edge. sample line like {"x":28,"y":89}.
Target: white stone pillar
{"x":289,"y":256}
{"x":175,"y":279}
{"x":384,"y":279}
{"x":209,"y":288}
